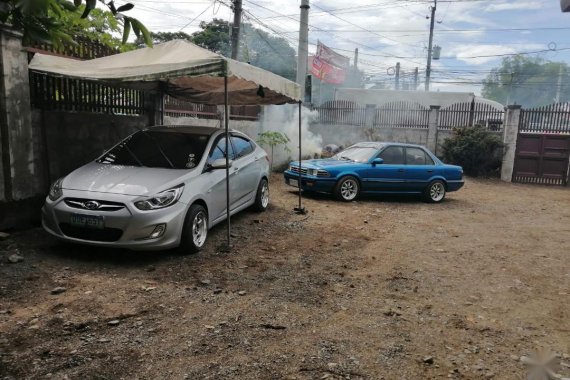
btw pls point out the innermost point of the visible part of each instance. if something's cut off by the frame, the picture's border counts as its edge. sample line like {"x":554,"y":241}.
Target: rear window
{"x":158,"y":149}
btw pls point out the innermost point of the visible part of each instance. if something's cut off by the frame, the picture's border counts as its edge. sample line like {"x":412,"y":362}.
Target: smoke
{"x":285,"y":119}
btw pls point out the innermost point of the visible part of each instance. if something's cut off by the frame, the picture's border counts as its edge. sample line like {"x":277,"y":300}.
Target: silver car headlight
{"x":161,"y":200}
{"x":55,"y":191}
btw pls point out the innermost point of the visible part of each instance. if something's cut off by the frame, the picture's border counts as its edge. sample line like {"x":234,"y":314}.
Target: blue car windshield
{"x":356,"y":154}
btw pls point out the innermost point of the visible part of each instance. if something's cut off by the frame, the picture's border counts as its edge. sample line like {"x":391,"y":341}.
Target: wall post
{"x":510,"y":134}
{"x":20,"y":160}
{"x":433,"y":121}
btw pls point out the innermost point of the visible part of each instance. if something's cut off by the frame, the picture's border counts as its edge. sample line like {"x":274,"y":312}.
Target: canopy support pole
{"x":300,"y":210}
{"x":226,"y":122}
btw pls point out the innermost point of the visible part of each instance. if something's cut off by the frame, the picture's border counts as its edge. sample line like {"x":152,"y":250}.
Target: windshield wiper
{"x":345,"y":158}
{"x":157,"y":145}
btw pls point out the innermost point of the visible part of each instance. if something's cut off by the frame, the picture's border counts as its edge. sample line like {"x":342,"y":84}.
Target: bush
{"x":477,"y":150}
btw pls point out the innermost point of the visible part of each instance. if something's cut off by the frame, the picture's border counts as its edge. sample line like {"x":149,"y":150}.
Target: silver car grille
{"x":93,"y":205}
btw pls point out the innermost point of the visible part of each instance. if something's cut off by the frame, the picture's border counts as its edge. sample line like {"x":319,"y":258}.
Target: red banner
{"x":327,"y":72}
{"x":330,"y":56}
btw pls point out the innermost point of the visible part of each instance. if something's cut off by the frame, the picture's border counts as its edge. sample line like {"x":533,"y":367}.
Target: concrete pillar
{"x":22,"y":177}
{"x":154,"y":105}
{"x":370,"y":115}
{"x":510,"y":134}
{"x":433,"y":120}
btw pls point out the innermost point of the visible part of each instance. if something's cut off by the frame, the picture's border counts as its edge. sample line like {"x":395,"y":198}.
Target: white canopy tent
{"x":185,"y":71}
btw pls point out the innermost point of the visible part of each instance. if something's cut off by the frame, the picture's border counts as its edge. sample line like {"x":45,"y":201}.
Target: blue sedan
{"x":378,"y":168}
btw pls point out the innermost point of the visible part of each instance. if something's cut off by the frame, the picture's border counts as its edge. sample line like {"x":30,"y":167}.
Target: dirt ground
{"x":385,"y":288}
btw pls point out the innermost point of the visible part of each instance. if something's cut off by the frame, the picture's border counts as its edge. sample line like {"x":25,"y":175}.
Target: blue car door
{"x":390,"y":175}
{"x":419,"y":169}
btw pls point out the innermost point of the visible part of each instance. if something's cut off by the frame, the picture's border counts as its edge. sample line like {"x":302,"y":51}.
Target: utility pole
{"x":397,"y":75}
{"x":559,"y":86}
{"x":303,"y":50}
{"x":430,"y":46}
{"x":355,"y":59}
{"x":510,"y":89}
{"x":416,"y":78}
{"x":236,"y":28}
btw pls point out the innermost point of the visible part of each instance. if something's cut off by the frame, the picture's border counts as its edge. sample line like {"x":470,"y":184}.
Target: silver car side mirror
{"x":220,"y":163}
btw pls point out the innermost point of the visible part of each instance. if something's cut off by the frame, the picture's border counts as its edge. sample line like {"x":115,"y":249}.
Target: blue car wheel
{"x":435,"y":192}
{"x":347,"y":189}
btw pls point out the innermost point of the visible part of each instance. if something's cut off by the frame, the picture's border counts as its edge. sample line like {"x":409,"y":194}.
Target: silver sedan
{"x":159,"y":188}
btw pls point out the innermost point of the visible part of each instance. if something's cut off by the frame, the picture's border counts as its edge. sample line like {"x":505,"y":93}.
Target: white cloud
{"x":516,"y":6}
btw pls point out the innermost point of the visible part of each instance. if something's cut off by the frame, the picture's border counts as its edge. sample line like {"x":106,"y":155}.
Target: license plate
{"x":87,"y":221}
{"x":294,"y":182}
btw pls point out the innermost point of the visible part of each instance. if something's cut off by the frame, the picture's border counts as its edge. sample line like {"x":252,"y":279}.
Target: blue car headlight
{"x":313,"y":172}
{"x":161,"y":200}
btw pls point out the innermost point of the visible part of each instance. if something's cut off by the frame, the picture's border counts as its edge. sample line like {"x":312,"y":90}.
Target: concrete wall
{"x":21,"y":178}
{"x":73,"y":139}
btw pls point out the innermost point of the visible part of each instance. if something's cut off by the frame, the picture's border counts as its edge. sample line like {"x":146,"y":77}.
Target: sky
{"x":474,"y":34}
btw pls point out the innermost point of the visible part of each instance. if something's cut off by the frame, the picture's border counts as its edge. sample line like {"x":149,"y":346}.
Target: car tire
{"x":347,"y":189}
{"x":435,"y":192}
{"x":262,"y":196}
{"x":195,"y":230}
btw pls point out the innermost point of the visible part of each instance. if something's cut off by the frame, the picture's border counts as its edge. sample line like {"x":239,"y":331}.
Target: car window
{"x":393,"y":155}
{"x":219,"y":150}
{"x":242,"y":146}
{"x":158,"y":149}
{"x":417,"y":156}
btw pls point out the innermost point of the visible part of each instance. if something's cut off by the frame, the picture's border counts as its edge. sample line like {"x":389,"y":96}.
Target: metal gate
{"x":542,"y":158}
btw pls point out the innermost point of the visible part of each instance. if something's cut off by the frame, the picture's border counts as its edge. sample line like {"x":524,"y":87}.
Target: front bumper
{"x":310,"y":183}
{"x":125,"y":228}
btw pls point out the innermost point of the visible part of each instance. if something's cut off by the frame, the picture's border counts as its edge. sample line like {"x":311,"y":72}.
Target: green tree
{"x":257,"y":47}
{"x":55,"y":21}
{"x":160,"y":37}
{"x":528,"y":81}
{"x":214,"y":36}
{"x":273,"y":139}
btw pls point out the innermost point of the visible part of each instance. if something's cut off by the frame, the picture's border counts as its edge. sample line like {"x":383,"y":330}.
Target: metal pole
{"x":226,"y":121}
{"x":430,"y":46}
{"x":416,"y":74}
{"x":558,"y":86}
{"x":300,"y":209}
{"x":303,"y":49}
{"x":236,"y":28}
{"x":397,"y":75}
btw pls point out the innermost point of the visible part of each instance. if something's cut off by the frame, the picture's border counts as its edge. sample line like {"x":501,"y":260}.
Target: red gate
{"x":542,"y":158}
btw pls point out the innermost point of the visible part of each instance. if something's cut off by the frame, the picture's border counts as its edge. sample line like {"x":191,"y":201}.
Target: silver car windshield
{"x":158,"y":149}
{"x":356,"y":154}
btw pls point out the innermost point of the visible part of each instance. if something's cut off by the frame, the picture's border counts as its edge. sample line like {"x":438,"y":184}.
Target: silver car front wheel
{"x":195,"y":230}
{"x":200,"y":229}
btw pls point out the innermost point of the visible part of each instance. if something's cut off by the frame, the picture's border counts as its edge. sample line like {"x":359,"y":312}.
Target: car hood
{"x":323,"y":163}
{"x":127,"y":180}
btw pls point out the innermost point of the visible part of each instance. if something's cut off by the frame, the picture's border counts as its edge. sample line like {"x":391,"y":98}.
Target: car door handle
{"x":430,"y":171}
{"x":401,"y":170}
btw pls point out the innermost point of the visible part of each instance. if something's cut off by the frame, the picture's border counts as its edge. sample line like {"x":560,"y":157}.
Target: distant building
{"x":426,"y":99}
